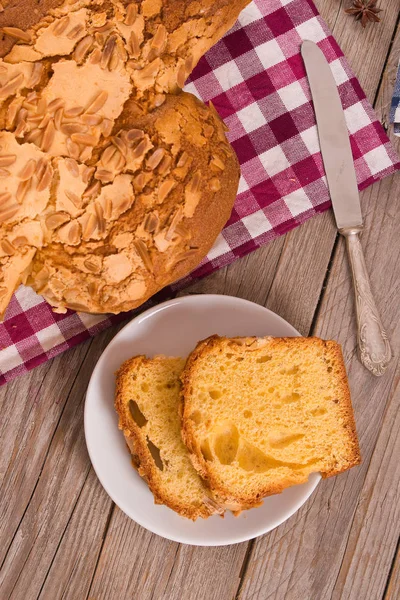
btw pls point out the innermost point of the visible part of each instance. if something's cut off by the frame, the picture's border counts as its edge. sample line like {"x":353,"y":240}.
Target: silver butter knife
{"x":373,"y":344}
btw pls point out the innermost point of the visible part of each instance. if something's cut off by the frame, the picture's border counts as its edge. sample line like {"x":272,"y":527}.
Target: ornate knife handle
{"x":373,"y":344}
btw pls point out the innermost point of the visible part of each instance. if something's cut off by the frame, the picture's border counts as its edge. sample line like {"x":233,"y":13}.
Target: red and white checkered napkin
{"x":255,"y":77}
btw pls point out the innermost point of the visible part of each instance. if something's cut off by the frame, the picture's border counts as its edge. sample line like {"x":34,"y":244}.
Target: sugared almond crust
{"x":112,"y":183}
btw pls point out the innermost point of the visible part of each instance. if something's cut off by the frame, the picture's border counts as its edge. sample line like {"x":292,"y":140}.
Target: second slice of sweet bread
{"x":147,"y":402}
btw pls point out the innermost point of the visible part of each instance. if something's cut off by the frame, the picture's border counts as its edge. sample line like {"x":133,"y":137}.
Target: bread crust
{"x":215,"y":342}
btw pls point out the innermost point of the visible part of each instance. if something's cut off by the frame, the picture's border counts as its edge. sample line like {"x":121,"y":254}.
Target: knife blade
{"x":333,"y":138}
{"x":373,"y":345}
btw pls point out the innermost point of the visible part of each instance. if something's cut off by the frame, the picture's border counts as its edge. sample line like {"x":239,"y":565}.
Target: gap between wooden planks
{"x":69,"y":513}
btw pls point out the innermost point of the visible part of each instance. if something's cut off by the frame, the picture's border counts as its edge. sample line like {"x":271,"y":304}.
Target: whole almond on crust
{"x":144,"y":254}
{"x":85,"y":139}
{"x":133,"y":135}
{"x":7,"y":247}
{"x":61,"y":25}
{"x":120,"y":144}
{"x":12,"y":111}
{"x":165,"y":189}
{"x":154,"y":160}
{"x":151,"y":222}
{"x":45,"y":177}
{"x":7,"y":159}
{"x":83,"y":47}
{"x":70,"y":128}
{"x":22,"y":190}
{"x":76,"y":31}
{"x":73,"y":112}
{"x":12,"y":85}
{"x":8,"y":212}
{"x":75,"y":199}
{"x":70,"y":234}
{"x":56,"y":104}
{"x":92,"y":190}
{"x":28,"y":170}
{"x":98,"y":102}
{"x":72,"y":166}
{"x":90,"y":226}
{"x":131,"y":13}
{"x":55,"y":220}
{"x":36,"y":75}
{"x":19,"y":241}
{"x":48,"y":136}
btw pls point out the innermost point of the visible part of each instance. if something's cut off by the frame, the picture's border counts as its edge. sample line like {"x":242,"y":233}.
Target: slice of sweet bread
{"x":147,"y":402}
{"x":261,"y":414}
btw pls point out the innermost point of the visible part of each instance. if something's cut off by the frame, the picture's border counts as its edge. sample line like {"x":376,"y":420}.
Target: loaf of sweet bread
{"x":113,"y":183}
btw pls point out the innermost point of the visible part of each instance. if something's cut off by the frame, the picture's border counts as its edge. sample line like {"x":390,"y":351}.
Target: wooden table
{"x":63,"y":538}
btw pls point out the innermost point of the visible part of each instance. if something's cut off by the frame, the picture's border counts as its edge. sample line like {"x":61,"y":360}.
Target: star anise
{"x":364,"y":11}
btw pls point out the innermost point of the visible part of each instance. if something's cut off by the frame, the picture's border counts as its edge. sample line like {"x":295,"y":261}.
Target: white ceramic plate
{"x":173,"y":329}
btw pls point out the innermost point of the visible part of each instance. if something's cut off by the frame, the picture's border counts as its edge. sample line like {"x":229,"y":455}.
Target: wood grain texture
{"x":30,"y":414}
{"x":295,"y":565}
{"x":162,"y":569}
{"x":300,"y":275}
{"x":286,"y":276}
{"x":241,"y":279}
{"x":375,"y":529}
{"x":59,"y":482}
{"x":392,"y":591}
{"x":72,"y":568}
{"x":61,"y":535}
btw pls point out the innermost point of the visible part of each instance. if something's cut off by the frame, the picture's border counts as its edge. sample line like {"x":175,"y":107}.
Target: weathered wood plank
{"x":308,"y":560}
{"x":30,"y":411}
{"x":304,"y":557}
{"x":72,"y":569}
{"x":376,"y":525}
{"x":58,"y":487}
{"x":393,"y":585}
{"x":297,"y":284}
{"x":286,"y":276}
{"x":162,"y":568}
{"x":283,"y":563}
{"x":220,"y":578}
{"x":121,"y":575}
{"x":250,"y":277}
{"x":135,"y":563}
{"x":256,"y":275}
